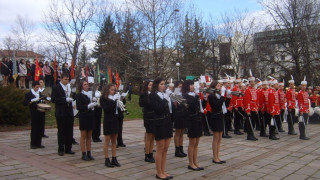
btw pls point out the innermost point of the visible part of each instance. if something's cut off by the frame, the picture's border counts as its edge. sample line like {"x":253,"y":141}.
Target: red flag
{"x":37,"y":71}
{"x":117,"y":80}
{"x":55,"y":69}
{"x":110,"y":75}
{"x":72,"y":70}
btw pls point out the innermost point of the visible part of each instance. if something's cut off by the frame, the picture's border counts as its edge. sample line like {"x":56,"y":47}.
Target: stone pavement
{"x":288,"y":158}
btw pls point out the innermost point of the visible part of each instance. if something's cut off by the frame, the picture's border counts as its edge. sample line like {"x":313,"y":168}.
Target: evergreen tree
{"x":83,"y":56}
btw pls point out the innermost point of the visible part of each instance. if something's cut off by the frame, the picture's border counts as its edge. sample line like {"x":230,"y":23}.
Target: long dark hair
{"x":80,"y":85}
{"x":156,"y":83}
{"x":186,"y":86}
{"x":105,"y":90}
{"x":144,"y":89}
{"x":213,"y":86}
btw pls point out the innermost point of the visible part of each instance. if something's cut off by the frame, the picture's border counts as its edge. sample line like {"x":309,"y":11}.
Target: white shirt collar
{"x":35,"y":93}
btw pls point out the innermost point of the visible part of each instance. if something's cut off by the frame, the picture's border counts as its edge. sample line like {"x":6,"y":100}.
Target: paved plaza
{"x":287,"y":158}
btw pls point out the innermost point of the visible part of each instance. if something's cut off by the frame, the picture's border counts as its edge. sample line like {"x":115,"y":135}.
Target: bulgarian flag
{"x":117,"y":80}
{"x":110,"y":75}
{"x":37,"y":71}
{"x":55,"y":69}
{"x":72,"y":69}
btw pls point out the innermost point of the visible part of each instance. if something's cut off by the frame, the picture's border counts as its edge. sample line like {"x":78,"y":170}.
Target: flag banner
{"x":14,"y":69}
{"x":72,"y":70}
{"x":110,"y":75}
{"x":37,"y":71}
{"x":117,"y":80}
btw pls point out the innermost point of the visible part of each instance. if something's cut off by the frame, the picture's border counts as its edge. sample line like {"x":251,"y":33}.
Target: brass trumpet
{"x":179,"y":99}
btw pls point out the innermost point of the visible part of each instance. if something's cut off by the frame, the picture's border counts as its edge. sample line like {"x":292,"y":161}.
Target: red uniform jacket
{"x":236,"y":101}
{"x":291,"y":98}
{"x":314,"y":99}
{"x":274,"y":103}
{"x":282,"y":99}
{"x":303,"y":101}
{"x":250,"y":99}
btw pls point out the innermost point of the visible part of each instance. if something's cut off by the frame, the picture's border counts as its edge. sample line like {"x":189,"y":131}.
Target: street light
{"x":178,"y":66}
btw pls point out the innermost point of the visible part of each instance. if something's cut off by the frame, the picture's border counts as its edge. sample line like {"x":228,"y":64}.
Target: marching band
{"x":230,"y":104}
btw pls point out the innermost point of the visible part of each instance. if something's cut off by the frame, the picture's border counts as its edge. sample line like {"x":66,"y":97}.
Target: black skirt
{"x":195,"y":127}
{"x":163,"y":130}
{"x":148,"y":122}
{"x":216,"y":121}
{"x":86,"y":120}
{"x":179,"y":119}
{"x":111,"y":126}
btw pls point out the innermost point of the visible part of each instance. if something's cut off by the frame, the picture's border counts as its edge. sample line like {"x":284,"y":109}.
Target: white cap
{"x":208,"y":83}
{"x":220,"y":81}
{"x":304,"y":82}
{"x":281,"y":83}
{"x":291,"y":81}
{"x":226,"y":79}
{"x":171,"y":84}
{"x":243,"y":84}
{"x":265,"y":82}
{"x":238,"y":80}
{"x":274,"y":81}
{"x":251,"y":78}
{"x":259,"y":83}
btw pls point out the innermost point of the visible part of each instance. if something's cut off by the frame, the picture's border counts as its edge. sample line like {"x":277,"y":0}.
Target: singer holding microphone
{"x":85,"y":105}
{"x":109,"y":103}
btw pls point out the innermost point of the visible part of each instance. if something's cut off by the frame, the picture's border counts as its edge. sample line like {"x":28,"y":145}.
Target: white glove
{"x":48,"y":98}
{"x":117,"y":96}
{"x":94,"y":99}
{"x":103,"y":79}
{"x":69,"y":99}
{"x":91,"y":105}
{"x":34,"y":99}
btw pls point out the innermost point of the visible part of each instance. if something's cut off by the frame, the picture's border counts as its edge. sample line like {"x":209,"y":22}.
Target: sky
{"x":34,"y":10}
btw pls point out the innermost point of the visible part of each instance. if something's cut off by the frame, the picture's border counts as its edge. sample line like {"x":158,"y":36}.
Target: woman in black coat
{"x":32,"y":98}
{"x":162,"y":125}
{"x":144,"y":102}
{"x":179,"y":117}
{"x":194,"y":123}
{"x":86,"y":119}
{"x":108,"y":102}
{"x":216,"y":101}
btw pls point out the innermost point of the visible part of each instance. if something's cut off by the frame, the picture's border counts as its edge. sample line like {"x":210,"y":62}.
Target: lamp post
{"x":178,"y":66}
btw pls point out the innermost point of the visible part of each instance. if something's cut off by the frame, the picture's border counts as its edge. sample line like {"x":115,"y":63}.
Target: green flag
{"x":107,"y":76}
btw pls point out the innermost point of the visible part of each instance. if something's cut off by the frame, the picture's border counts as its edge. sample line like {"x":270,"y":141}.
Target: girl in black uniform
{"x":108,"y":102}
{"x":32,"y":98}
{"x":194,"y":123}
{"x":216,"y":118}
{"x":86,"y":119}
{"x":179,"y":117}
{"x":145,"y":103}
{"x":162,"y":125}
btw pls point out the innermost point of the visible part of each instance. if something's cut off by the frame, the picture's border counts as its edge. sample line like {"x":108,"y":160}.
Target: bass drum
{"x":74,"y":107}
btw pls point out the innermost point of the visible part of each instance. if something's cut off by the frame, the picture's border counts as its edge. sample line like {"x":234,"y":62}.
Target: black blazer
{"x":58,"y":97}
{"x":109,"y":108}
{"x":144,"y":102}
{"x":82,"y":102}
{"x":27,"y":101}
{"x":161,"y":110}
{"x":215,"y":103}
{"x":194,"y":113}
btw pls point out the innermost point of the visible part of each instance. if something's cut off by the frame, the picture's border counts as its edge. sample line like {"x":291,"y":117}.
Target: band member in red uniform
{"x":303,"y":102}
{"x":274,"y":108}
{"x":314,"y":98}
{"x":236,"y":104}
{"x":282,"y":100}
{"x":263,"y":108}
{"x":251,"y":108}
{"x":291,"y":105}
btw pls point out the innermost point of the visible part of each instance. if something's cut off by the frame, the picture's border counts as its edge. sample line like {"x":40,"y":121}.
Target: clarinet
{"x":121,"y":105}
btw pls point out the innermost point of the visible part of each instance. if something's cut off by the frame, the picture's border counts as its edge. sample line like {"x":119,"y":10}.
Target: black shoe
{"x":161,"y":178}
{"x":238,"y":133}
{"x":89,"y":155}
{"x":281,"y":130}
{"x":121,"y":145}
{"x":304,"y":138}
{"x":178,"y":152}
{"x":41,"y":146}
{"x":251,"y":138}
{"x":69,"y":152}
{"x":85,"y":157}
{"x":200,"y":168}
{"x":169,"y":177}
{"x":108,"y":163}
{"x":154,"y":151}
{"x":149,"y":158}
{"x":217,"y":162}
{"x":115,"y":162}
{"x":292,"y":133}
{"x":207,"y":134}
{"x":74,"y":142}
{"x":33,"y":147}
{"x":226,"y":136}
{"x":193,"y":169}
{"x":273,"y":137}
{"x":45,"y":136}
{"x":182,"y":152}
{"x":223,"y":162}
{"x":61,"y":153}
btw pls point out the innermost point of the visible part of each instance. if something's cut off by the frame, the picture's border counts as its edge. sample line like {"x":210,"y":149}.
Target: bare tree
{"x":295,"y":36}
{"x":156,"y":31}
{"x":68,"y":23}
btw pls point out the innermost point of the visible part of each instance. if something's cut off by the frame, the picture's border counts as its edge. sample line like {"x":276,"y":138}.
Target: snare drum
{"x":42,"y":107}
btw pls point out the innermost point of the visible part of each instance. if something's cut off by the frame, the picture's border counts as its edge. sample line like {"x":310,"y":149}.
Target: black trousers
{"x":49,"y":80}
{"x":276,"y":121}
{"x":43,"y":123}
{"x":65,"y":132}
{"x":253,"y":119}
{"x":119,"y":139}
{"x":204,"y":123}
{"x":238,"y":119}
{"x":264,"y":122}
{"x":96,"y":132}
{"x":35,"y":135}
